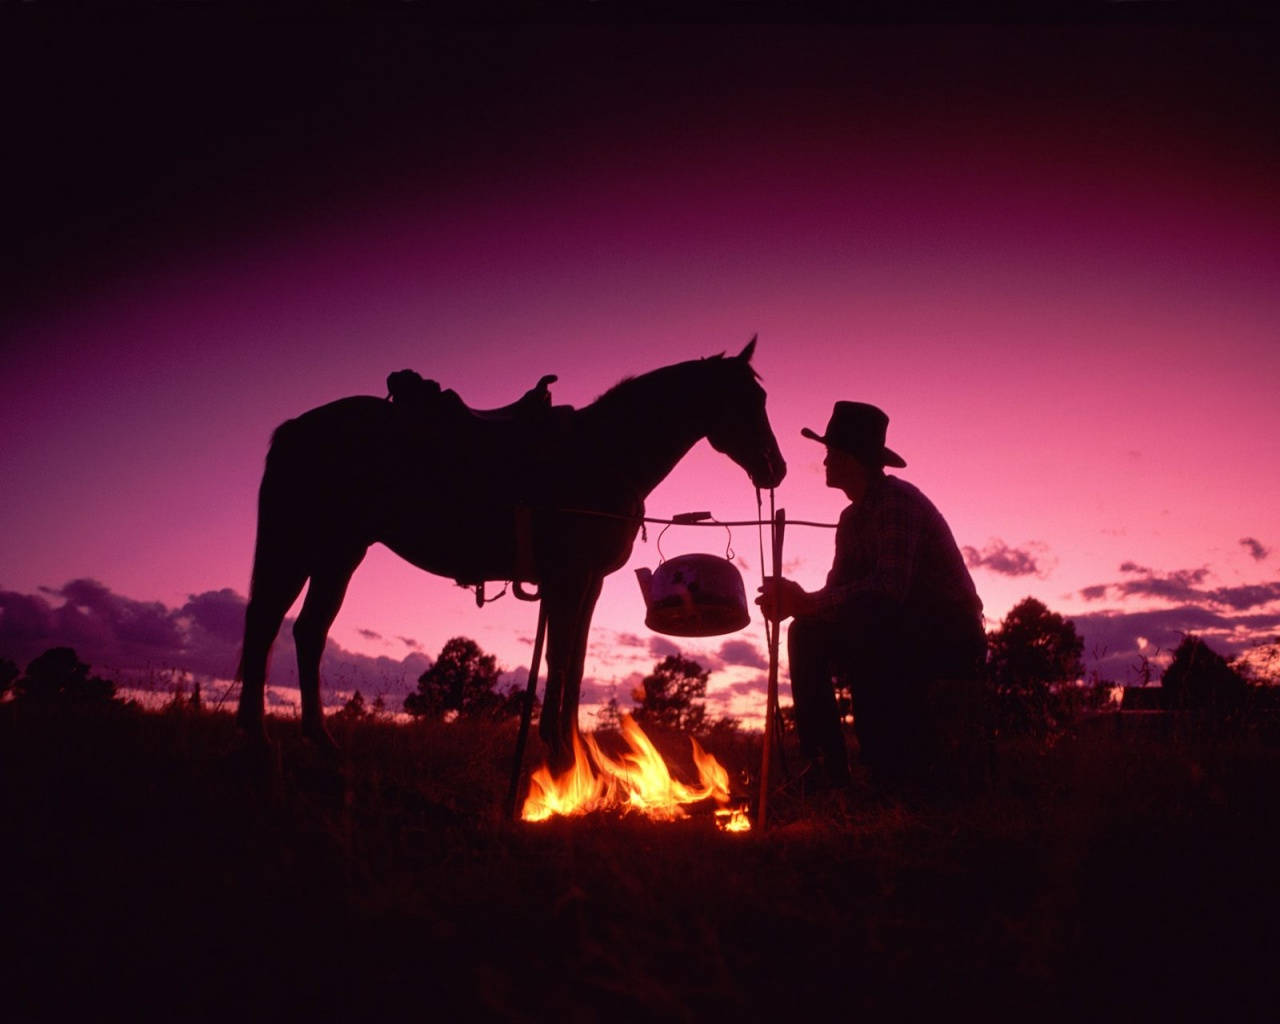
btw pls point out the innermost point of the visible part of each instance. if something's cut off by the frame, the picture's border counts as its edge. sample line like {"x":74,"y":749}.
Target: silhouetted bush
{"x":59,"y":677}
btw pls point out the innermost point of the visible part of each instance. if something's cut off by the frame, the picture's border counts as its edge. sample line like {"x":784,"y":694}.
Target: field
{"x":153,"y":869}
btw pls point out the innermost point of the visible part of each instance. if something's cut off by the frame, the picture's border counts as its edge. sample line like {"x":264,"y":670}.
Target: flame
{"x":636,"y":780}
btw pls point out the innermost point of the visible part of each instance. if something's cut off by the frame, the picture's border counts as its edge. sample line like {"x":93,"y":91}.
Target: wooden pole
{"x":526,"y":713}
{"x":771,"y":704}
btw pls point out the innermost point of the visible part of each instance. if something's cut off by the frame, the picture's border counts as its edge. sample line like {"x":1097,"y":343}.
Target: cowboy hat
{"x":858,"y":429}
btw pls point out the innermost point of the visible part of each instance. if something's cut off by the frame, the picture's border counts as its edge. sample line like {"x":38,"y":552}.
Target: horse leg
{"x":549,"y":718}
{"x":324,"y":597}
{"x":585,"y":608}
{"x":272,"y":593}
{"x":568,"y":628}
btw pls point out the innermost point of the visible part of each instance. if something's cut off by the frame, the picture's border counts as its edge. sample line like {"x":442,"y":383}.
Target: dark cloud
{"x":1230,"y":619}
{"x":1255,"y":548}
{"x":661,"y":647}
{"x":1003,"y":560}
{"x":1245,"y":597}
{"x":1116,"y":641}
{"x":219,"y":612}
{"x":1180,"y":585}
{"x":369,"y":634}
{"x":599,"y":691}
{"x":742,"y":652}
{"x":139,"y":640}
{"x":135,"y":625}
{"x":26,"y":625}
{"x":1183,"y":586}
{"x":410,"y":642}
{"x":629,"y":640}
{"x":757,"y":685}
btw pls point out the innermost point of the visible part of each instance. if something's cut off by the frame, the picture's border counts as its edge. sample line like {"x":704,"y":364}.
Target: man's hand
{"x":782,"y":598}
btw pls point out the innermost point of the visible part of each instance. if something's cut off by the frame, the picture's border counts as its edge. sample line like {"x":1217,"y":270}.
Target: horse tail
{"x":277,"y":576}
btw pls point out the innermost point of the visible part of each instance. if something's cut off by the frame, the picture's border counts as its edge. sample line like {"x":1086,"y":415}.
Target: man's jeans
{"x":889,"y":670}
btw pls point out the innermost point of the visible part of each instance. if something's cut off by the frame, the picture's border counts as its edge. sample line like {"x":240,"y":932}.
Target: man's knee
{"x":809,"y":638}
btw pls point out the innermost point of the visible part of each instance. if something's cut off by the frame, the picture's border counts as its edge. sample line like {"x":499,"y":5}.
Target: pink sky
{"x":1058,"y":275}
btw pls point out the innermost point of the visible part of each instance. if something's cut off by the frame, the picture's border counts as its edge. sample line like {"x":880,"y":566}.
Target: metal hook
{"x":661,"y":557}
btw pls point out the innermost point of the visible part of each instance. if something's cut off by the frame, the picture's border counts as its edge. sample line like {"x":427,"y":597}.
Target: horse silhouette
{"x":531,"y":494}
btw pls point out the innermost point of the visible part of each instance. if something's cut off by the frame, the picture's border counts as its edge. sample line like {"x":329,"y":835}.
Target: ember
{"x":638,"y":780}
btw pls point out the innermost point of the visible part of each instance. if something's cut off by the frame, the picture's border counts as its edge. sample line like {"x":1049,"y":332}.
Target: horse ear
{"x":746,"y":354}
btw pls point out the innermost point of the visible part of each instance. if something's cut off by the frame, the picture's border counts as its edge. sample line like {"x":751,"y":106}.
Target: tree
{"x":1199,"y":677}
{"x":58,"y":676}
{"x":1032,"y":656}
{"x":461,"y":681}
{"x":354,"y":708}
{"x":668,"y":696}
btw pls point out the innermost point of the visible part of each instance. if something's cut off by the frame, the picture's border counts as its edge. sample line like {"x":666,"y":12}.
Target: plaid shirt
{"x":894,"y":547}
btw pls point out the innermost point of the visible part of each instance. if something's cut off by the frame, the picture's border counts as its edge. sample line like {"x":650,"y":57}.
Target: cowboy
{"x":899,"y":613}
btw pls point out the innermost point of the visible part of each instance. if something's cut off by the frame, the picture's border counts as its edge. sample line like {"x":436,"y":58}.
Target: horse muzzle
{"x":771,"y":474}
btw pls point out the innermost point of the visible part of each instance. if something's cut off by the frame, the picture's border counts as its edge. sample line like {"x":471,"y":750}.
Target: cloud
{"x":1183,"y":586}
{"x":661,"y":647}
{"x":136,"y":640}
{"x":137,"y":625}
{"x":26,"y":625}
{"x":1003,"y":560}
{"x":1113,"y":640}
{"x":755,"y":686}
{"x":742,"y":652}
{"x":369,"y":634}
{"x":599,"y":691}
{"x":1230,"y":619}
{"x":410,"y":642}
{"x":1180,"y":585}
{"x":219,"y":612}
{"x":1256,"y":551}
{"x":1245,"y":597}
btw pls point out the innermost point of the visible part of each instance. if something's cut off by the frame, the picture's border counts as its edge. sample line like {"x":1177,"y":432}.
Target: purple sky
{"x":1050,"y":253}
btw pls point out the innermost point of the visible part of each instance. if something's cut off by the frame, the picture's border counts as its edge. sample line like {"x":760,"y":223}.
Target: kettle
{"x":694,"y":595}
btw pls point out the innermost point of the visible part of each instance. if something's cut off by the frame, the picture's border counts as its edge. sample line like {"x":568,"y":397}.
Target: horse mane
{"x":661,"y":378}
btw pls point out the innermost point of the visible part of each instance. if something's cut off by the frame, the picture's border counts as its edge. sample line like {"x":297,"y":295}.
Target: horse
{"x":529,"y":494}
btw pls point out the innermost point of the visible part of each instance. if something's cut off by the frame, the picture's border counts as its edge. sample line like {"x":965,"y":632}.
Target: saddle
{"x":521,"y":435}
{"x":409,"y":390}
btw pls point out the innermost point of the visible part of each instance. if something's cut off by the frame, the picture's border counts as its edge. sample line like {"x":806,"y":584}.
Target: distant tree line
{"x":1038,"y":683}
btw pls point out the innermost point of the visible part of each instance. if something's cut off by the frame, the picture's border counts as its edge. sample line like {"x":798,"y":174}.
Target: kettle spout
{"x":645,"y":578}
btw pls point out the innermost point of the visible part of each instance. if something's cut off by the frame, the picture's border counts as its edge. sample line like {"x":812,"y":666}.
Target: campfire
{"x":638,"y":780}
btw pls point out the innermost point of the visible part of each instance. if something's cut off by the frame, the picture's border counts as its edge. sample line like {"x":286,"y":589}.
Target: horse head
{"x":739,"y":427}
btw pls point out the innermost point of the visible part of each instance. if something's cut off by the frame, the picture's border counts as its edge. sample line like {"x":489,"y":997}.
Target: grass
{"x":153,"y":867}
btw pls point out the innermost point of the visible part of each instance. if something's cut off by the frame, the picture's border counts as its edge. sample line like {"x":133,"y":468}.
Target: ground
{"x":153,"y":865}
